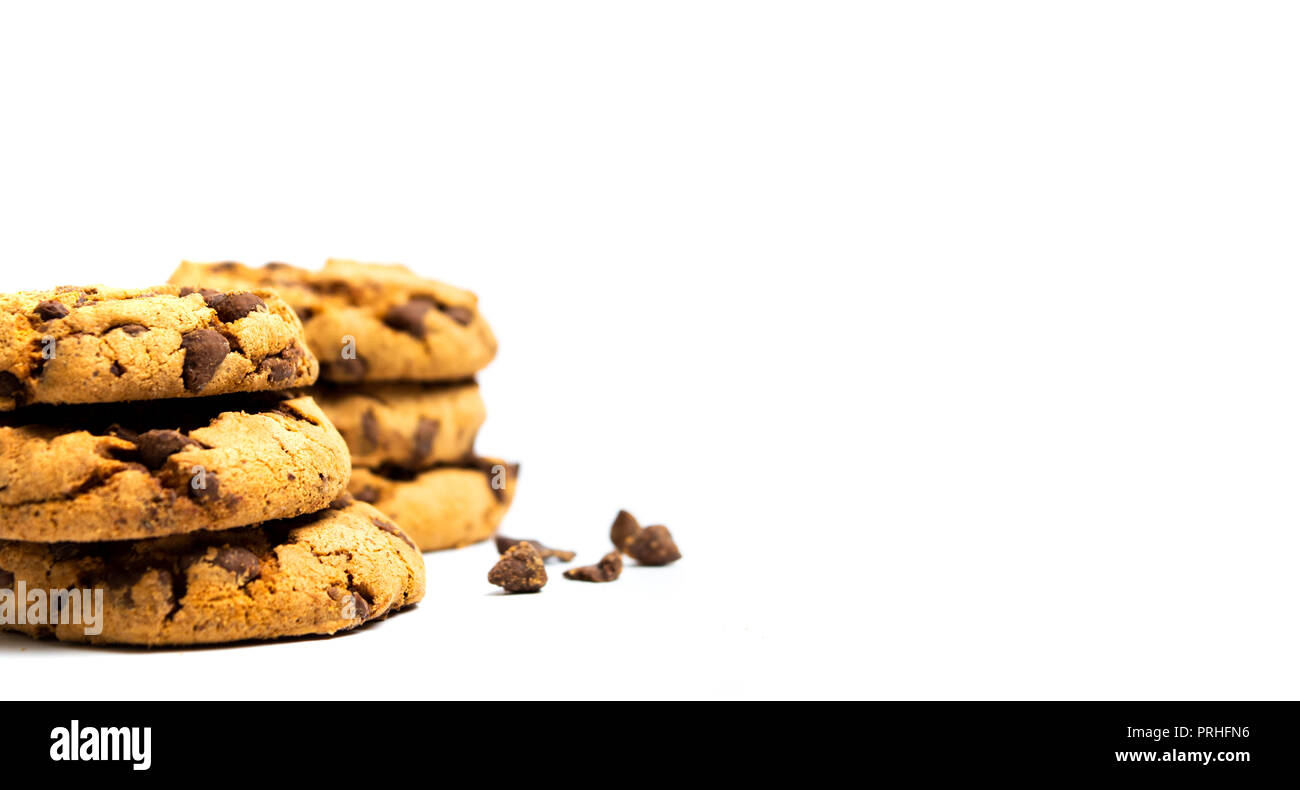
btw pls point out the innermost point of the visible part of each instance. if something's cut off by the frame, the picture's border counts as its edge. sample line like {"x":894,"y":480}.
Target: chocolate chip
{"x":9,"y":384}
{"x":242,"y":562}
{"x":157,"y":446}
{"x":278,"y":370}
{"x":624,"y":529}
{"x":426,"y":430}
{"x":393,"y":529}
{"x":116,"y":369}
{"x":6,"y":579}
{"x":461,"y":315}
{"x":346,"y":369}
{"x":236,"y":306}
{"x":209,"y":493}
{"x":608,"y":569}
{"x":361,"y":604}
{"x":520,"y":569}
{"x":51,"y":309}
{"x":370,"y":427}
{"x":134,"y":330}
{"x":305,"y":314}
{"x":342,"y":502}
{"x":276,"y":265}
{"x":225,"y":266}
{"x":205,"y":349}
{"x":368,"y":494}
{"x":409,"y":317}
{"x":206,"y":293}
{"x":504,"y":544}
{"x":654,"y":546}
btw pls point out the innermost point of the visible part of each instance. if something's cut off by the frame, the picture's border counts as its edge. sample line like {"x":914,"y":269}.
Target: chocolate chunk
{"x":51,"y":309}
{"x":409,"y":317}
{"x":342,"y":501}
{"x":504,"y":543}
{"x":225,"y":266}
{"x":654,"y":546}
{"x":305,"y":314}
{"x":278,"y":370}
{"x":122,"y":432}
{"x":6,"y":579}
{"x":368,"y":494}
{"x":157,"y":446}
{"x":206,"y":293}
{"x":276,"y":265}
{"x":134,"y":330}
{"x":116,"y":369}
{"x":607,"y":570}
{"x":236,"y":306}
{"x":346,"y":369}
{"x":9,"y":385}
{"x":426,"y":430}
{"x":242,"y":562}
{"x":361,"y":604}
{"x":209,"y":493}
{"x":461,"y":315}
{"x":393,"y":529}
{"x":370,"y":427}
{"x":519,"y":570}
{"x":205,"y":349}
{"x":624,"y":529}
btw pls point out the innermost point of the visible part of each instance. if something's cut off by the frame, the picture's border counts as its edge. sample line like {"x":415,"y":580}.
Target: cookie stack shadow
{"x":165,"y":480}
{"x":398,"y":358}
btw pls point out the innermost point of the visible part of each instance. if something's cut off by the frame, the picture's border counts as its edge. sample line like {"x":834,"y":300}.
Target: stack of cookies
{"x":164,"y":481}
{"x":398,"y":356}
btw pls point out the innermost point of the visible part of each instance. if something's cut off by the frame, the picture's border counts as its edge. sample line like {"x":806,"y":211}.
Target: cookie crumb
{"x":607,"y":570}
{"x":548,"y":553}
{"x":519,"y":570}
{"x":654,"y":546}
{"x":624,"y":529}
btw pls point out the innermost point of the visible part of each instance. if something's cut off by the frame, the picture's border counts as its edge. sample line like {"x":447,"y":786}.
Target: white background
{"x":956,"y":342}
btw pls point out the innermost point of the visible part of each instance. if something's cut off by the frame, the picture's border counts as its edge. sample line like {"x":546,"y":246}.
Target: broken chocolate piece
{"x":133,"y":330}
{"x":426,"y":431}
{"x":235,"y":306}
{"x":519,"y":570}
{"x":624,"y":529}
{"x":607,"y":570}
{"x":461,"y":315}
{"x":205,"y":350}
{"x":208,"y":492}
{"x":242,"y":562}
{"x":51,"y":309}
{"x":504,"y":543}
{"x":654,"y":546}
{"x":158,"y":445}
{"x":409,"y":317}
{"x":9,"y":384}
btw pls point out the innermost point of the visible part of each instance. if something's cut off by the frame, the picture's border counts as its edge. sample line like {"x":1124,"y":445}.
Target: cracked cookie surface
{"x":406,"y":425}
{"x":102,"y":345}
{"x":401,"y":326}
{"x":445,"y":507}
{"x":317,"y":574}
{"x":141,"y":470}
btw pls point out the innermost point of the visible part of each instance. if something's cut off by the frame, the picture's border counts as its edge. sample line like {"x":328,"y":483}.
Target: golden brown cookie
{"x":141,"y":470}
{"x":446,"y":507}
{"x":101,"y":345}
{"x":316,"y":574}
{"x":405,"y":425}
{"x":369,"y":321}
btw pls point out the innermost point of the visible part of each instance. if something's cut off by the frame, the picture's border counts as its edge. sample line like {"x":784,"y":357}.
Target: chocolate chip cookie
{"x":139,"y":470}
{"x":445,"y":507}
{"x":367,"y":321}
{"x":100,"y":345}
{"x":406,"y":425}
{"x":316,"y":574}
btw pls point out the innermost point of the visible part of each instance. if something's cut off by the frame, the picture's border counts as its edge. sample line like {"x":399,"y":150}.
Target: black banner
{"x":141,"y":741}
